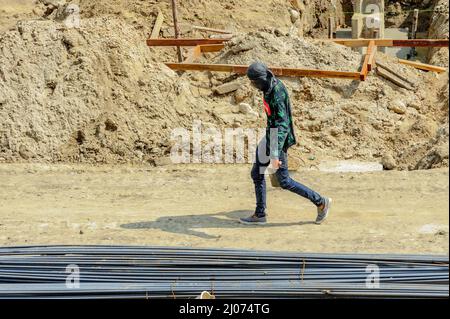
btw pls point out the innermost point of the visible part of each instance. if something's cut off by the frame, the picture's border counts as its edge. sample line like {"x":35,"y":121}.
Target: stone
{"x":294,"y":162}
{"x":24,"y":152}
{"x":295,"y":15}
{"x":241,"y":47}
{"x":336,"y":131}
{"x":348,"y":156}
{"x":65,"y":10}
{"x":413,"y":111}
{"x":163,"y":161}
{"x":397,"y":106}
{"x":227,"y":88}
{"x":351,"y":108}
{"x":388,"y":162}
{"x":253,"y":115}
{"x":279,"y":32}
{"x":110,"y":125}
{"x":235,"y":109}
{"x":241,"y":94}
{"x":415,"y":105}
{"x":245,"y":108}
{"x":38,"y":11}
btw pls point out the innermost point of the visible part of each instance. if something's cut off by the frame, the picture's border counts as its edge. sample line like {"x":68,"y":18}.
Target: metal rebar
{"x":109,"y":272}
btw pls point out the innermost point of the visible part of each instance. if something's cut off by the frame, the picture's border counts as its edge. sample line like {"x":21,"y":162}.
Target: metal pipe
{"x":177,"y":31}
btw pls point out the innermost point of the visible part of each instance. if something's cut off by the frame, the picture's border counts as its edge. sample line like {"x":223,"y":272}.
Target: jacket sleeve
{"x":282,"y":125}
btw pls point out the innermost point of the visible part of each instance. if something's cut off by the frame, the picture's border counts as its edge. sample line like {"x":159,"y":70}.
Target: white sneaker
{"x":322,"y":214}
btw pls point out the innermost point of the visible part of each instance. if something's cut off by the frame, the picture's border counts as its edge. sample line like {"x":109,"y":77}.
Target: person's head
{"x":260,"y":76}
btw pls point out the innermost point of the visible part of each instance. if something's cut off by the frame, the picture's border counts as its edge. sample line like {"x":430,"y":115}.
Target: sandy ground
{"x":379,"y":212}
{"x":12,"y":11}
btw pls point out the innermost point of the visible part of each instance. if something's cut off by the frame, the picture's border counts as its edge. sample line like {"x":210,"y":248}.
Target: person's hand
{"x":276,"y":163}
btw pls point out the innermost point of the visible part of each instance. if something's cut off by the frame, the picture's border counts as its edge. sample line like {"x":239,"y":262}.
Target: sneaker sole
{"x":252,"y":223}
{"x":328,"y":212}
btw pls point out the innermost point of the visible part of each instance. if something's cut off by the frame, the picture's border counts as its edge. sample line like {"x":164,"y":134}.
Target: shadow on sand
{"x":188,"y":224}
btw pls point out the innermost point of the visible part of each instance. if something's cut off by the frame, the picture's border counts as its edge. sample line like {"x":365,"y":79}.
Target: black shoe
{"x":254,"y":220}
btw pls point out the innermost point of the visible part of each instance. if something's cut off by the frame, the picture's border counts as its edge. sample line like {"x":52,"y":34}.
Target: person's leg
{"x":259,"y":181}
{"x":286,"y":182}
{"x":260,"y":190}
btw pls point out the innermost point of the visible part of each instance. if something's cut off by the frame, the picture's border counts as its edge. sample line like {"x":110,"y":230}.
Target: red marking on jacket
{"x":267,"y":107}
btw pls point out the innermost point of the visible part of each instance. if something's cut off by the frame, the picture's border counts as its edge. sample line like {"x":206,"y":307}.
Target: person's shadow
{"x":187,"y":224}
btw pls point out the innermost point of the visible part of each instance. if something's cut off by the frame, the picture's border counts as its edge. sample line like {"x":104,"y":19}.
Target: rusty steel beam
{"x":242,"y":69}
{"x":183,"y":42}
{"x":393,"y":42}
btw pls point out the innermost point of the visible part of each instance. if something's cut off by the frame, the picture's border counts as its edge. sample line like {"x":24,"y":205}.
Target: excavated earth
{"x":98,"y":94}
{"x":74,"y":101}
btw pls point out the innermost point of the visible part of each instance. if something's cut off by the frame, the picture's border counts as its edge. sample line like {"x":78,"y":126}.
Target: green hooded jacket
{"x":278,"y":109}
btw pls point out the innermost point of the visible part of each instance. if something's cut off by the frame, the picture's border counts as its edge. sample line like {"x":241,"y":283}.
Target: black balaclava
{"x":262,"y":78}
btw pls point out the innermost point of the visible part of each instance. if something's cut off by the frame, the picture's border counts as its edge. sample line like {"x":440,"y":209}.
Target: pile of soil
{"x":288,"y":51}
{"x":88,"y":95}
{"x":373,"y":120}
{"x":439,"y":29}
{"x":98,"y":94}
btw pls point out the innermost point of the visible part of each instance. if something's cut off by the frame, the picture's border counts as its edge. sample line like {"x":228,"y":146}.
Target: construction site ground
{"x":87,"y":113}
{"x":198,"y":206}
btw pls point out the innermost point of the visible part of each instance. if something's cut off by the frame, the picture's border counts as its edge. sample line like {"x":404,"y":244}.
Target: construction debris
{"x":393,"y":78}
{"x":434,"y":43}
{"x":227,"y":88}
{"x":397,"y":74}
{"x":368,"y":60}
{"x":184,"y":42}
{"x":158,"y":24}
{"x":211,"y":30}
{"x":423,"y":66}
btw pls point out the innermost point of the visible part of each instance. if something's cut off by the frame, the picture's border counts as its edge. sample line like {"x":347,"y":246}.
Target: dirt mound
{"x":242,"y":15}
{"x":12,"y":11}
{"x":372,"y":120}
{"x":84,"y":95}
{"x":288,"y":51}
{"x":98,"y":94}
{"x":439,"y":29}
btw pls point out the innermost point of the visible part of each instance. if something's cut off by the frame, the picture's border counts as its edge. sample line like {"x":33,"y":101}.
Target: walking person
{"x":274,"y":146}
